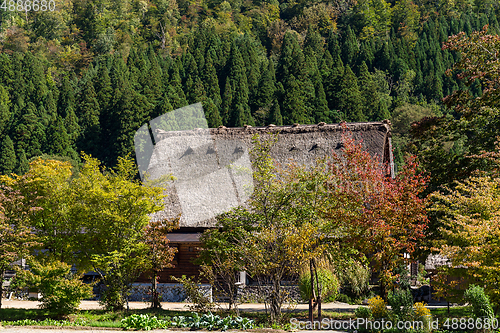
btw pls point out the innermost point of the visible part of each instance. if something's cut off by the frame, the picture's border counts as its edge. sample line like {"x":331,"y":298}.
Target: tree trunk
{"x":383,"y":291}
{"x":318,"y":301}
{"x":275,"y":303}
{"x":155,"y":304}
{"x":311,"y":300}
{"x":1,"y":287}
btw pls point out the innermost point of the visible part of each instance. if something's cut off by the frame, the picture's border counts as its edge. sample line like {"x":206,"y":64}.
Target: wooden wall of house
{"x":183,"y":264}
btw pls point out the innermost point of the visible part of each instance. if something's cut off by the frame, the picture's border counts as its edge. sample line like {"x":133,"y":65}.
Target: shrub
{"x":201,"y":301}
{"x":355,"y":279}
{"x":401,"y":302}
{"x":329,"y":285}
{"x":479,"y":301}
{"x":363,"y":312}
{"x":345,"y":298}
{"x":143,"y":322}
{"x":420,"y":310}
{"x":61,"y":291}
{"x":378,"y":307}
{"x":421,"y":313}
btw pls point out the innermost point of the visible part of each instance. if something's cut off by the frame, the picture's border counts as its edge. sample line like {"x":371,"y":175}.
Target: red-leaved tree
{"x":160,"y":254}
{"x":382,"y":217}
{"x":16,"y":235}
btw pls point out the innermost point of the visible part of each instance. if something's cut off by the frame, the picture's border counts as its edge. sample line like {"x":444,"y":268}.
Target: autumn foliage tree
{"x":160,"y":253}
{"x":382,"y":217}
{"x":469,"y":215}
{"x":16,"y":233}
{"x":340,"y":206}
{"x":445,"y":143}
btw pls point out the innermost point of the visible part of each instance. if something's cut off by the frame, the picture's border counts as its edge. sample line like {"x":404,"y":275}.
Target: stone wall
{"x":169,"y":292}
{"x":256,"y":294}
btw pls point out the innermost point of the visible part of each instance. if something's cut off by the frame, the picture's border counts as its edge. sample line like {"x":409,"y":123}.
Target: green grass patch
{"x":20,"y":314}
{"x":455,"y":312}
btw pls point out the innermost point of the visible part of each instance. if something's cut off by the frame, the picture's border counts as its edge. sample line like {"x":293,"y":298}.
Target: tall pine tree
{"x":8,"y":161}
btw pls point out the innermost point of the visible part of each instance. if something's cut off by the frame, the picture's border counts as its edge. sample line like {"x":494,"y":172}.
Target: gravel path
{"x":250,"y":307}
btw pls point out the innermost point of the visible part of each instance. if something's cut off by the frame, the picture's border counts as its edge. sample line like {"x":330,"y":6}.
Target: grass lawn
{"x":455,"y":312}
{"x":93,"y":318}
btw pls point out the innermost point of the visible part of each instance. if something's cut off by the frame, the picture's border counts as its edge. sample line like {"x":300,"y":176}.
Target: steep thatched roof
{"x":199,"y":159}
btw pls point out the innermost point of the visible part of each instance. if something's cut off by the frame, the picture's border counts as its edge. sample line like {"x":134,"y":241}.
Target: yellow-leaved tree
{"x":470,"y":217}
{"x":94,"y":218}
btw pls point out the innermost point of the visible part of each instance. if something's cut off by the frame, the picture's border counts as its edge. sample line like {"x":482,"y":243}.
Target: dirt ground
{"x":250,"y":307}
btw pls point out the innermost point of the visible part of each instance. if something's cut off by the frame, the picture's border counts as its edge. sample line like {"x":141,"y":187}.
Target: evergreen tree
{"x":131,"y":113}
{"x":211,"y":81}
{"x":243,"y":116}
{"x":66,"y":97}
{"x":293,"y":106}
{"x":292,"y":69}
{"x":5,"y":113}
{"x":8,"y":160}
{"x":153,"y":86}
{"x":320,"y":104}
{"x":333,"y":44}
{"x":369,"y":92}
{"x":291,"y":61}
{"x":50,"y":107}
{"x":36,"y":82}
{"x":175,"y":93}
{"x":350,"y":47}
{"x":366,"y":53}
{"x":22,"y":165}
{"x":189,"y":65}
{"x":349,"y":97}
{"x":227,"y":101}
{"x":334,"y":83}
{"x":385,"y":57}
{"x":30,"y":132}
{"x":89,"y":117}
{"x":212,"y":113}
{"x":266,"y":87}
{"x":195,"y":91}
{"x":313,"y":44}
{"x":58,"y":141}
{"x":71,"y":126}
{"x":240,"y":109}
{"x":251,"y":61}
{"x":275,"y":114}
{"x":326,"y":64}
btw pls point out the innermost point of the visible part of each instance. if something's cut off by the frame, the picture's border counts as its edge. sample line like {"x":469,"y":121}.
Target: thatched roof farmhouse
{"x":210,"y":164}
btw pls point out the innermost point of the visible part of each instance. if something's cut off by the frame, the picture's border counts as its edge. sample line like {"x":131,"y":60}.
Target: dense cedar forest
{"x":86,"y":76}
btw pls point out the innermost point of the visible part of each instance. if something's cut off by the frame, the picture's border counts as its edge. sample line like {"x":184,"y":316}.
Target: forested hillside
{"x":86,"y":76}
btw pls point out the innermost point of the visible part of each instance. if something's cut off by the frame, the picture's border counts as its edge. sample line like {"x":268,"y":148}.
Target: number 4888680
{"x":28,"y":5}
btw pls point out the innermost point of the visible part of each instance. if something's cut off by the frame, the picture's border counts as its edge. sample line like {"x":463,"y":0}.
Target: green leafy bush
{"x":363,"y":312}
{"x":329,"y":285}
{"x":61,"y":291}
{"x":143,"y":322}
{"x":212,"y":322}
{"x":345,"y":299}
{"x":479,"y":301}
{"x":401,"y":302}
{"x":195,"y":294}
